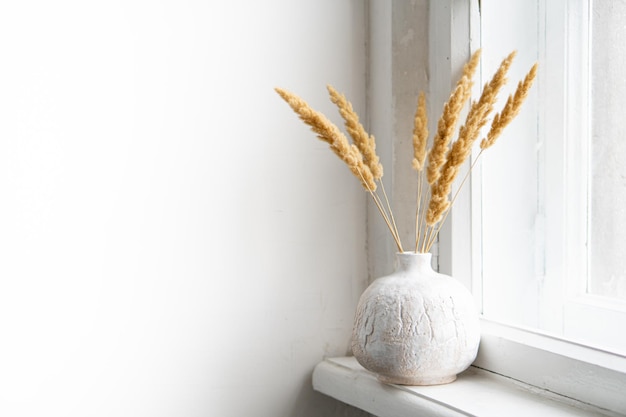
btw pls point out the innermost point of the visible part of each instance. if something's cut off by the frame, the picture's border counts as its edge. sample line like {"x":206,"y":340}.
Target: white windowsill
{"x":476,"y":392}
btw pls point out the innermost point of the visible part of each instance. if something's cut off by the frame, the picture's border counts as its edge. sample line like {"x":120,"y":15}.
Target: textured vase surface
{"x":416,"y":326}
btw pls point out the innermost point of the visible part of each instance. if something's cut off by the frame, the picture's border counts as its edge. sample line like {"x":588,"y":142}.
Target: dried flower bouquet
{"x":437,"y":167}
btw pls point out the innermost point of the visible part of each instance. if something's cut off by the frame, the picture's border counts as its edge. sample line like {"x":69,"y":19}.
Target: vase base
{"x":399,"y":380}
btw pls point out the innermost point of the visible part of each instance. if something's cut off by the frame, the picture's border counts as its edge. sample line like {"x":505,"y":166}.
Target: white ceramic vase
{"x":416,"y":326}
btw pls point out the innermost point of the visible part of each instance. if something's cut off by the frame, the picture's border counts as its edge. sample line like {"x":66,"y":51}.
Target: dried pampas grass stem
{"x":420,"y":133}
{"x":460,"y":150}
{"x":437,"y":167}
{"x":420,"y":141}
{"x":329,"y":133}
{"x":510,"y":110}
{"x":363,"y":141}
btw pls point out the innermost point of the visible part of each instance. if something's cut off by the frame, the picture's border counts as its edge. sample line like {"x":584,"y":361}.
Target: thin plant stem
{"x":423,"y":217}
{"x":423,"y":233}
{"x":378,"y":203}
{"x":393,"y":221}
{"x":389,"y":225}
{"x":428,"y":235}
{"x":417,"y":210}
{"x":423,"y":227}
{"x":421,"y":213}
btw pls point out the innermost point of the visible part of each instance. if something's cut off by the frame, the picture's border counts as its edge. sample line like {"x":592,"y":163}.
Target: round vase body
{"x":416,"y":326}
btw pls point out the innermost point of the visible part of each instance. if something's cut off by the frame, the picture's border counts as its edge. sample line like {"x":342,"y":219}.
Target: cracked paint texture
{"x":416,"y":326}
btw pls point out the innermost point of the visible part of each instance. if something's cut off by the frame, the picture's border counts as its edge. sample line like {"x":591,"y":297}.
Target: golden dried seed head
{"x":364,"y":142}
{"x":420,"y":133}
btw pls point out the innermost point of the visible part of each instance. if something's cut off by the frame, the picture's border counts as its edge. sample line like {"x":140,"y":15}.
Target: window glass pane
{"x":512,"y":222}
{"x":608,"y":150}
{"x":553,"y":189}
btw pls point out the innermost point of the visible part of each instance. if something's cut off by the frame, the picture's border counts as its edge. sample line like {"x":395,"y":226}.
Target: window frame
{"x":553,"y":365}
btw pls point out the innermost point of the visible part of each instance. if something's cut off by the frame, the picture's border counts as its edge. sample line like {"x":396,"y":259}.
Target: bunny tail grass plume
{"x":329,"y":133}
{"x":449,"y":117}
{"x":437,"y":167}
{"x":349,"y":153}
{"x":363,"y":141}
{"x":468,"y":71}
{"x":445,"y":129}
{"x":511,"y":109}
{"x":420,"y":133}
{"x":461,"y":149}
{"x":366,"y":146}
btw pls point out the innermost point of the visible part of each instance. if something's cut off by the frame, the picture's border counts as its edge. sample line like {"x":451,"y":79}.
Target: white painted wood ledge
{"x":476,"y":392}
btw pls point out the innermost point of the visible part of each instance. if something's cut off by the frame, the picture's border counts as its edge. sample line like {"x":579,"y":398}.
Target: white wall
{"x":173,"y":241}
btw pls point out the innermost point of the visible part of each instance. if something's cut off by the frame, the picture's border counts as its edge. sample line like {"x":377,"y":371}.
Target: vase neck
{"x":406,"y":261}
